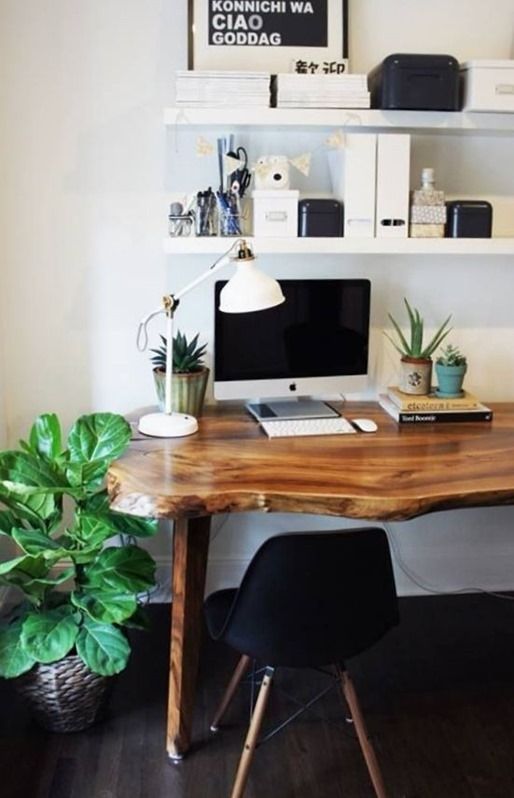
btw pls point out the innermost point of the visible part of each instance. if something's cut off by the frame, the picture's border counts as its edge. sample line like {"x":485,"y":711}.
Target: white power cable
{"x":429,"y":588}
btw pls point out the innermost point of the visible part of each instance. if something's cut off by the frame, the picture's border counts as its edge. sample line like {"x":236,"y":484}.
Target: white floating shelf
{"x":434,"y":121}
{"x":345,"y":246}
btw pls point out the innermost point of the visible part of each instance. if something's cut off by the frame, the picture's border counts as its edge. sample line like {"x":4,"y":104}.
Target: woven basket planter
{"x":64,"y":696}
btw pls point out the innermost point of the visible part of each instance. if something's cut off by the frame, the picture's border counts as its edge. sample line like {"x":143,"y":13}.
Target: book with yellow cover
{"x":431,"y":402}
{"x":480,"y":413}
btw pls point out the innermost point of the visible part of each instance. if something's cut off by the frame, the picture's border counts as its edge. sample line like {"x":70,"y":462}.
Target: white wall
{"x":87,"y":170}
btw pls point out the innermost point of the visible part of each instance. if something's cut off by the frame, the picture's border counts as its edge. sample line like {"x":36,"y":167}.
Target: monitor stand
{"x":290,"y":408}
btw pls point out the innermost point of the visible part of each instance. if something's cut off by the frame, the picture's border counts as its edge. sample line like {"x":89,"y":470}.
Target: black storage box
{"x":412,"y":82}
{"x":320,"y":217}
{"x":469,"y":219}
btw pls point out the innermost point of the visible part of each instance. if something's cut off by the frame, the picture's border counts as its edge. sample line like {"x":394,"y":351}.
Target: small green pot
{"x":450,"y":379}
{"x":187,"y":391}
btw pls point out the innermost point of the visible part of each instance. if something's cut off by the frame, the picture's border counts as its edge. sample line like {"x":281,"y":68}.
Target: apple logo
{"x":292,"y":387}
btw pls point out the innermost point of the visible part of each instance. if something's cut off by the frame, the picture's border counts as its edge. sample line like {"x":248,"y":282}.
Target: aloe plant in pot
{"x":416,"y":356}
{"x":190,"y":374}
{"x":64,"y":638}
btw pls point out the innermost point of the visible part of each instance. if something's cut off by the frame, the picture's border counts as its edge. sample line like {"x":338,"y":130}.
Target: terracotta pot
{"x":187,"y":391}
{"x":416,"y":375}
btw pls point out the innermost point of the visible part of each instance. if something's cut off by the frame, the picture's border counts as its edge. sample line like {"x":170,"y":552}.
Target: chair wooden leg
{"x":241,"y":668}
{"x":252,"y":735}
{"x":362,"y":733}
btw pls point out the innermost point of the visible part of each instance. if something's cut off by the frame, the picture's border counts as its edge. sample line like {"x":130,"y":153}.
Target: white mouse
{"x":364,"y":424}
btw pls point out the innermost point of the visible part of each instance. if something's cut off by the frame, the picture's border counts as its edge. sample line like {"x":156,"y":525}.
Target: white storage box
{"x":488,"y":86}
{"x":275,"y":213}
{"x":360,"y":177}
{"x":393,"y":173}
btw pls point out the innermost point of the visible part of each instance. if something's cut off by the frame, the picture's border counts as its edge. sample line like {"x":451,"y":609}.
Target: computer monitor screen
{"x":315,"y":343}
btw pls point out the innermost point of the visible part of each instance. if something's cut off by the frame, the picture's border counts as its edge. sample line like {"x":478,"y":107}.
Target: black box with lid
{"x":469,"y":219}
{"x":320,"y":217}
{"x":415,"y":82}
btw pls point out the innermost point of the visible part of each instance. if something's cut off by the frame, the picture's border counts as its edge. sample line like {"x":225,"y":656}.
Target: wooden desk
{"x":397,"y":473}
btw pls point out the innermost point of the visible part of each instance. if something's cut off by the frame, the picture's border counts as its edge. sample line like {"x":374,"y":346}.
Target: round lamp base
{"x":167,"y":425}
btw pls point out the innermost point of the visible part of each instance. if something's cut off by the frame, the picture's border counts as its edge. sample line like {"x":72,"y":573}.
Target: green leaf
{"x":121,"y":524}
{"x":27,"y":469}
{"x":27,"y":565}
{"x":130,"y":525}
{"x":438,"y":338}
{"x":127,"y":568}
{"x":7,"y":521}
{"x":105,"y":606}
{"x":91,"y":474}
{"x":92,"y":530}
{"x":59,"y":579}
{"x":99,"y":436}
{"x":14,"y":660}
{"x":28,"y":574}
{"x":102,"y":648}
{"x":45,"y":436}
{"x":404,"y":346}
{"x":31,"y":503}
{"x":49,"y":636}
{"x":33,"y":541}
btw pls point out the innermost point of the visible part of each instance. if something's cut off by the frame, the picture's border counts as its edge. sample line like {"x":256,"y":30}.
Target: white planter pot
{"x":416,"y":375}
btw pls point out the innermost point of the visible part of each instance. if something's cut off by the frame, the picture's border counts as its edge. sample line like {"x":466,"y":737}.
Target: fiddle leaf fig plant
{"x":414,"y":346}
{"x":77,"y":591}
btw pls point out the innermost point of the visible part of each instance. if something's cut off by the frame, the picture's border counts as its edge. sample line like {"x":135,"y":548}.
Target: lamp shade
{"x":249,"y":290}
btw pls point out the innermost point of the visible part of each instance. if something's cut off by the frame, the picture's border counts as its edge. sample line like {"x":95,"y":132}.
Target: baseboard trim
{"x":227,"y":572}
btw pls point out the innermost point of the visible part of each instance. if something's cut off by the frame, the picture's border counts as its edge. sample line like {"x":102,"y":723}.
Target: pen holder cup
{"x":231,"y":215}
{"x":230,"y":224}
{"x":180,"y":224}
{"x":206,"y":217}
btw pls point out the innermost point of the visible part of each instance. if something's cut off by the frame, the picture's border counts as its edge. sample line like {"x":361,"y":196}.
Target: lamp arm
{"x":171,"y":301}
{"x":216,"y":266}
{"x":169,"y":364}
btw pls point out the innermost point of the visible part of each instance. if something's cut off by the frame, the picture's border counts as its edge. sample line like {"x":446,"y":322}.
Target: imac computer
{"x":315,"y":343}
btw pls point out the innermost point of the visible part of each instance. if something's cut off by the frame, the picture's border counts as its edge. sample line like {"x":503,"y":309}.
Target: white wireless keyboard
{"x":297,"y":427}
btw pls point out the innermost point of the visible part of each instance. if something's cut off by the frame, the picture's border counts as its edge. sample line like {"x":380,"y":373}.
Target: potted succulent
{"x":63,"y":640}
{"x":450,"y":367}
{"x":416,"y":360}
{"x":190,"y":374}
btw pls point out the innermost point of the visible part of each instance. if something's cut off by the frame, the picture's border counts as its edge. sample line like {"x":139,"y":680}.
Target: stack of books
{"x":433,"y":409}
{"x":212,"y":88}
{"x":291,"y":90}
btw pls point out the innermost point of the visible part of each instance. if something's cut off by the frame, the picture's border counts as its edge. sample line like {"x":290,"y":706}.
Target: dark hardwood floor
{"x":438,"y":695}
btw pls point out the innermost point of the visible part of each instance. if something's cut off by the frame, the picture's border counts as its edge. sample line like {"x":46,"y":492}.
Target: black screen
{"x":321,"y":330}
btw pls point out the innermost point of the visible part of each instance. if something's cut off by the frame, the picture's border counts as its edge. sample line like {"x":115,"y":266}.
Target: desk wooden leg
{"x":190,"y":548}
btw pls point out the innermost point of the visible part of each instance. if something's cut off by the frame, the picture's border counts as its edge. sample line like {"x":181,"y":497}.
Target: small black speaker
{"x":469,"y":219}
{"x":319,"y":218}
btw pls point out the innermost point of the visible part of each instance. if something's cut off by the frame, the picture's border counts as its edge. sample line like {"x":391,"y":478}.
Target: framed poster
{"x":268,"y":35}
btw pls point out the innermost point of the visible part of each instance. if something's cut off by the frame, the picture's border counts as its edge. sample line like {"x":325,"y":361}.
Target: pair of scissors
{"x":241,"y":177}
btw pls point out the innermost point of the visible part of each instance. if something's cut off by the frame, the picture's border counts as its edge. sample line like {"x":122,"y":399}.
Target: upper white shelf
{"x":433,"y":121}
{"x":344,"y":246}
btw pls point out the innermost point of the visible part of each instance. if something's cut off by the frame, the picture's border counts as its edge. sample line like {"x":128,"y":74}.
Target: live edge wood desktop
{"x":229,"y":466}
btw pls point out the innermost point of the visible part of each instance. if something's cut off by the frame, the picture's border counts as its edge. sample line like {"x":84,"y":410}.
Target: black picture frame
{"x":228,"y":56}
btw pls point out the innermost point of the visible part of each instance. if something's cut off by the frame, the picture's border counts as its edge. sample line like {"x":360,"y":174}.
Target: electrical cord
{"x":429,"y":588}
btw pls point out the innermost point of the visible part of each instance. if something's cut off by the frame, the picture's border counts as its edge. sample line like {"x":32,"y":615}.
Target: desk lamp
{"x":248,"y":290}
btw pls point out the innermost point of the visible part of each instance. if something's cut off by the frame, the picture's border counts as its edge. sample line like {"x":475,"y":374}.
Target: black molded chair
{"x":307,"y":600}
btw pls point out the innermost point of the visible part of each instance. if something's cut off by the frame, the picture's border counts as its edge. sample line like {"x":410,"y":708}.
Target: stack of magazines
{"x":291,"y":90}
{"x":210,"y":88}
{"x":433,"y":409}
